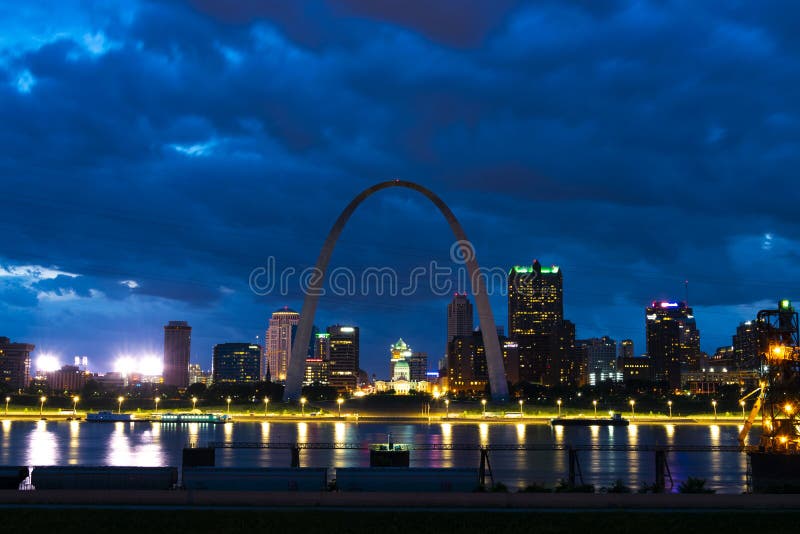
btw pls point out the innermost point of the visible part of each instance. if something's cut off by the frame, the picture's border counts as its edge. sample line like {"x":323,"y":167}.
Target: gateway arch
{"x":494,"y":356}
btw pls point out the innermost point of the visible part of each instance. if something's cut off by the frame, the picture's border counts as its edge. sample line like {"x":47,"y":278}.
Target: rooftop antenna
{"x":686,"y":291}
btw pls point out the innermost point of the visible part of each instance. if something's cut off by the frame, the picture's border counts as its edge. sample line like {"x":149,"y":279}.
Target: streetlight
{"x":520,"y":409}
{"x":669,"y":404}
{"x":447,"y":407}
{"x":228,"y":400}
{"x":302,"y":406}
{"x":788,"y":408}
{"x":194,"y":403}
{"x":558,"y":402}
{"x":339,"y":401}
{"x":41,"y":406}
{"x":714,"y":404}
{"x":266,"y":405}
{"x":633,"y":411}
{"x":594,"y":402}
{"x":8,"y":399}
{"x":483,"y":401}
{"x":119,"y":400}
{"x":75,"y":400}
{"x":156,"y":400}
{"x":741,"y":403}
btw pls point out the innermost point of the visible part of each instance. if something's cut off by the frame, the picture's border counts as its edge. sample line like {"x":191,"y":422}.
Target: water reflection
{"x":127,"y":447}
{"x":264,"y":432}
{"x":483,"y":432}
{"x":42,"y":446}
{"x":31,"y":443}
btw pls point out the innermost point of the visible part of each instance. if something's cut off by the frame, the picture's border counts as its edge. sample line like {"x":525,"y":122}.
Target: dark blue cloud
{"x":161,"y":151}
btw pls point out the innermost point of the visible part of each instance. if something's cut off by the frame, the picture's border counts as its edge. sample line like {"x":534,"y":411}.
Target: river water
{"x":160,"y":444}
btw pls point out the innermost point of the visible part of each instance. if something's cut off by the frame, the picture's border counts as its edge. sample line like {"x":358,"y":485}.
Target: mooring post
{"x":661,"y":462}
{"x":296,"y":456}
{"x":573,"y":458}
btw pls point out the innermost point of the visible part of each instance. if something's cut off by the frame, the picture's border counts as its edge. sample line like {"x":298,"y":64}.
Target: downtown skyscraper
{"x":278,"y":344}
{"x":673,"y":341}
{"x":343,"y":367}
{"x":536,"y":323}
{"x":177,"y":350}
{"x":459,"y":317}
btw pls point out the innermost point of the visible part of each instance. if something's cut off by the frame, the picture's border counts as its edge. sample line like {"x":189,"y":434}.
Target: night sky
{"x":153,"y":154}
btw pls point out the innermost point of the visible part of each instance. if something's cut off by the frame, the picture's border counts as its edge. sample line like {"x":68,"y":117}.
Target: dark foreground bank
{"x":388,"y":522}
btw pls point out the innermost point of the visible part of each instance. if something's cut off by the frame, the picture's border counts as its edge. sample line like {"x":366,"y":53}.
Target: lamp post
{"x":669,"y":405}
{"x":41,"y":406}
{"x":228,"y":400}
{"x":266,"y":405}
{"x":339,"y":402}
{"x":741,"y":403}
{"x":558,"y":402}
{"x":483,"y":402}
{"x":119,"y":401}
{"x":302,"y":406}
{"x":520,"y":409}
{"x":633,"y":410}
{"x":8,"y":399}
{"x":594,"y":402}
{"x":714,"y":404}
{"x":156,"y":400}
{"x":194,"y":403}
{"x":75,"y":400}
{"x":447,"y":407}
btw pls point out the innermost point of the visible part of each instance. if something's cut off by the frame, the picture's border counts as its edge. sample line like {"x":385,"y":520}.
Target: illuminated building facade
{"x":278,"y":346}
{"x":536,"y":323}
{"x":344,"y":357}
{"x":236,"y":363}
{"x":635,"y":369}
{"x":749,"y":344}
{"x":177,"y":346}
{"x":15,"y":363}
{"x":198,"y":376}
{"x":459,"y":317}
{"x":318,"y":362}
{"x":466,"y":363}
{"x":626,"y":348}
{"x":68,"y":379}
{"x":601,"y":360}
{"x":673,"y":341}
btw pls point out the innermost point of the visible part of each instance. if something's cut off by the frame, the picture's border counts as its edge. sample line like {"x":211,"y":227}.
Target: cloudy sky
{"x":153,"y":154}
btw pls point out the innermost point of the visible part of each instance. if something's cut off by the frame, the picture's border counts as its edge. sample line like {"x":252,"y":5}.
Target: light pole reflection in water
{"x":483,"y":433}
{"x":74,"y":442}
{"x":42,"y":446}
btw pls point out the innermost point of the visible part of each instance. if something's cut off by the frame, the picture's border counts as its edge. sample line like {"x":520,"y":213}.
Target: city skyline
{"x":137,"y":197}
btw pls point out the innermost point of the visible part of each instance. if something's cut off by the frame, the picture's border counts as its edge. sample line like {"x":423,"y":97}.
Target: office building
{"x":177,"y":346}
{"x":536,"y":322}
{"x":198,"y":376}
{"x":749,"y":343}
{"x":418,"y":366}
{"x":459,"y":317}
{"x":601,"y":360}
{"x":68,"y":379}
{"x":626,"y":348}
{"x":673,"y":341}
{"x":278,"y":345}
{"x":236,"y":363}
{"x":15,"y":364}
{"x":466,"y":363}
{"x":343,"y":365}
{"x":635,"y":369}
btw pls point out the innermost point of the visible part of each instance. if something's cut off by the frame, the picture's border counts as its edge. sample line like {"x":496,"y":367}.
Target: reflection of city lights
{"x":47,"y":363}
